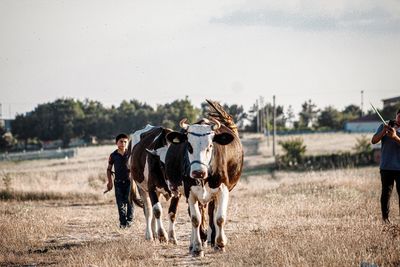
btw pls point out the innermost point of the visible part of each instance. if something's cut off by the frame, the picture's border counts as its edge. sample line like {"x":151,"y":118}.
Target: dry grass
{"x":329,"y":218}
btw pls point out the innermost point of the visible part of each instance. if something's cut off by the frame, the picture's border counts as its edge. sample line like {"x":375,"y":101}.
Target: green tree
{"x":330,"y":118}
{"x":176,"y":111}
{"x":24,"y":127}
{"x":7,"y":141}
{"x":132,"y":115}
{"x":308,"y":114}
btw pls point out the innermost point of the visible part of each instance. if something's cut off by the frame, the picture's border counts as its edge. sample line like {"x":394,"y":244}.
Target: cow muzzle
{"x":199,"y":174}
{"x":198,"y":170}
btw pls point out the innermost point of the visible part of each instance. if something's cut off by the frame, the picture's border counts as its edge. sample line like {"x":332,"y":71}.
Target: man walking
{"x":389,"y":136}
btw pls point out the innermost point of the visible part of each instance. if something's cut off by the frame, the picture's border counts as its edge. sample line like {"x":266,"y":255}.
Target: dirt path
{"x":84,"y":224}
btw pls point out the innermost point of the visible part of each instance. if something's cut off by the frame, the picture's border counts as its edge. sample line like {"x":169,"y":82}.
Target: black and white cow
{"x":211,"y":161}
{"x":148,"y":150}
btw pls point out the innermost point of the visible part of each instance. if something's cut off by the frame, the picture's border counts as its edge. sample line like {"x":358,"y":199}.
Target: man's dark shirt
{"x":120,"y":163}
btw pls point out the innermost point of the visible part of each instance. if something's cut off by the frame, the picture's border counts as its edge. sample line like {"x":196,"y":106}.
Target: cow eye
{"x":190,"y":148}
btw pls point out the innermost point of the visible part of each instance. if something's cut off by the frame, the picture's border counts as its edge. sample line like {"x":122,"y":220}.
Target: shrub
{"x":363,"y":145}
{"x":294,"y":150}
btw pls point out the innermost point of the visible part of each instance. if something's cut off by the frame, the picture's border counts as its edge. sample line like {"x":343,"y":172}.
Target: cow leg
{"x":211,"y":226}
{"x":220,"y":217}
{"x":173,"y":206}
{"x":203,"y":228}
{"x":157,"y":211}
{"x":148,"y":213}
{"x":197,"y":249}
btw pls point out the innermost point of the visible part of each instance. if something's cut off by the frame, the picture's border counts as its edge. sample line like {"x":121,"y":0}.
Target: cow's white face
{"x":200,"y":149}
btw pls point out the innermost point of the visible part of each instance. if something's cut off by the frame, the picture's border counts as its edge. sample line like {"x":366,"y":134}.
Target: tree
{"x":131,"y":116}
{"x":24,"y":127}
{"x":290,"y":116}
{"x":308,"y":114}
{"x":330,"y":118}
{"x":97,"y":120}
{"x":176,"y":111}
{"x":6,"y":140}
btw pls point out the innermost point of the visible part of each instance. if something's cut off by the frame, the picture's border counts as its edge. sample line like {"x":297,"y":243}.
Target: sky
{"x":232,"y":51}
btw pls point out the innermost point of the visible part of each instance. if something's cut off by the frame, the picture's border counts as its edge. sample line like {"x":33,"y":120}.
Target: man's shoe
{"x":122,"y":226}
{"x":129,"y":224}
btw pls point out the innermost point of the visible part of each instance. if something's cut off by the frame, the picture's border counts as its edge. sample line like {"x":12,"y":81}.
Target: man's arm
{"x":378,"y":136}
{"x":393,"y":135}
{"x":109,"y":178}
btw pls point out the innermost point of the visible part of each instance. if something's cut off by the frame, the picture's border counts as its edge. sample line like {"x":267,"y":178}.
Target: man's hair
{"x":121,"y":135}
{"x":398,"y":112}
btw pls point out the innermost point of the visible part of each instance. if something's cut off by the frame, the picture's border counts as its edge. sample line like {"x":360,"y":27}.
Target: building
{"x":371,"y":122}
{"x":390,"y":101}
{"x":365,"y":124}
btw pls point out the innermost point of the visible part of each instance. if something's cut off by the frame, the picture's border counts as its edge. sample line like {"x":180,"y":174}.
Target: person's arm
{"x":391,"y":132}
{"x":109,"y":176}
{"x":379,"y":135}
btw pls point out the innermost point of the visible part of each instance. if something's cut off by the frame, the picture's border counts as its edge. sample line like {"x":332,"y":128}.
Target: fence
{"x":41,"y":154}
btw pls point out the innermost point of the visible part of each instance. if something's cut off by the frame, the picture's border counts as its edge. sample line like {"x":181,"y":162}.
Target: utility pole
{"x":362,"y":102}
{"x":274,"y":131}
{"x":267,"y":126}
{"x":262,"y":119}
{"x":258,"y":116}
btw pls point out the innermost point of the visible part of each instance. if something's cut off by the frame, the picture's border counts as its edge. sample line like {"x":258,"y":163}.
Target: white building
{"x":365,"y":124}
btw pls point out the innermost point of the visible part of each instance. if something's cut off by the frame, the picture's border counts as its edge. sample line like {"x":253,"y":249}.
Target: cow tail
{"x":134,"y":196}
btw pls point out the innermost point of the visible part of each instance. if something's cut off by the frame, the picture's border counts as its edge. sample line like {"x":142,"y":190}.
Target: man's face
{"x":398,"y":119}
{"x":122,"y":143}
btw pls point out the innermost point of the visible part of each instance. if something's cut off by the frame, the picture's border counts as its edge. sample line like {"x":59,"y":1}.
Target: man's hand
{"x":109,"y":187}
{"x":390,"y":132}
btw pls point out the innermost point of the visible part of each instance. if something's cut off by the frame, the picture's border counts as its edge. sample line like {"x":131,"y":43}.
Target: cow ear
{"x":223,"y":138}
{"x":176,"y":138}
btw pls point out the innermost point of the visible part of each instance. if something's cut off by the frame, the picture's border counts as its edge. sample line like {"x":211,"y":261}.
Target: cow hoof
{"x":219,"y":249}
{"x":163,"y":239}
{"x":198,"y":253}
{"x":173,"y":241}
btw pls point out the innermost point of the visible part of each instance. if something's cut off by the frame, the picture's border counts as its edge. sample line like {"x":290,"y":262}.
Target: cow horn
{"x":183,"y":124}
{"x":216,"y":124}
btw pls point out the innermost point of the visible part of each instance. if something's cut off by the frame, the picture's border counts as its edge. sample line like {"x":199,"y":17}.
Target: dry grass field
{"x":58,"y":215}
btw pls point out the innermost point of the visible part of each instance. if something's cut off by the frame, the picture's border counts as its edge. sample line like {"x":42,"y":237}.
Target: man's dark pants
{"x":125,"y":209}
{"x":388,"y":178}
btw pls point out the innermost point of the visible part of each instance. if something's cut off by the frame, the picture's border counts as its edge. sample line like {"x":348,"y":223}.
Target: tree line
{"x":69,"y":118}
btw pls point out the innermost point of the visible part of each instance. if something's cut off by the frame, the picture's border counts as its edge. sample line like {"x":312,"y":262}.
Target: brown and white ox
{"x":148,"y":150}
{"x":211,"y":161}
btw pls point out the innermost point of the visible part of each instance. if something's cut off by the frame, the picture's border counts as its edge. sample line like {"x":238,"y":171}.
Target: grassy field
{"x":58,"y":215}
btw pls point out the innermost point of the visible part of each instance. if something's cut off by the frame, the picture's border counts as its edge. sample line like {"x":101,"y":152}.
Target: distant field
{"x":316,"y":143}
{"x":329,"y":218}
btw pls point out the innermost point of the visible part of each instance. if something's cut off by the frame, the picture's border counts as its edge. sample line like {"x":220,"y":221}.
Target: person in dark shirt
{"x":389,"y":136}
{"x":122,"y":183}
